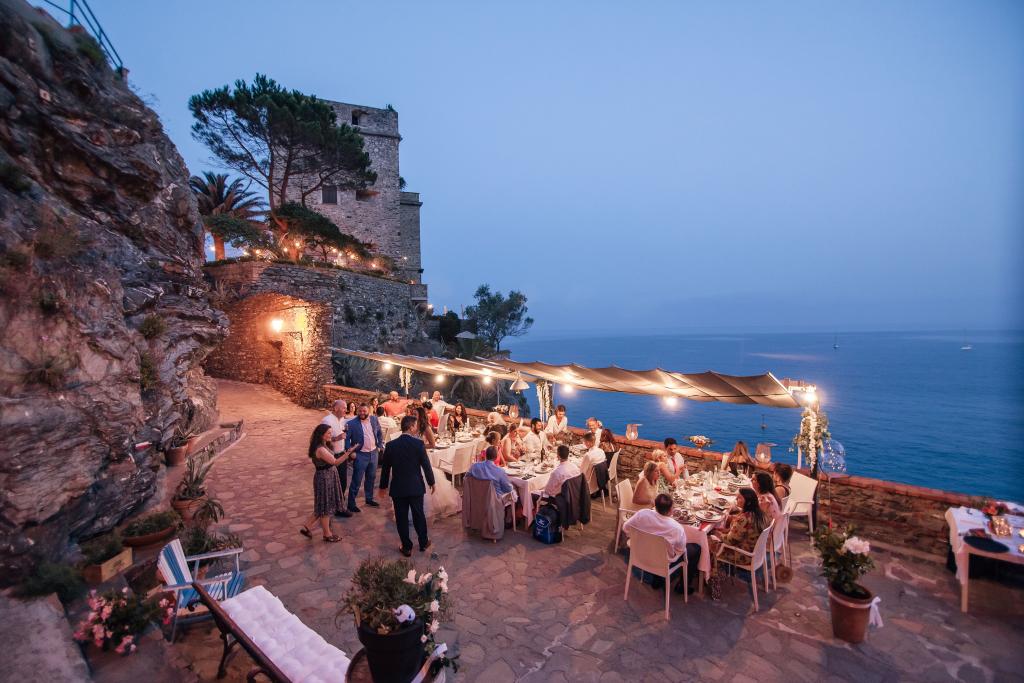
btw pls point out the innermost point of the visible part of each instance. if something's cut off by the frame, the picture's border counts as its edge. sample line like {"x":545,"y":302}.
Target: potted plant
{"x":844,"y":560}
{"x":191,"y":492}
{"x":151,"y":529}
{"x":116,"y":620}
{"x":105,"y":557}
{"x":397,"y":614}
{"x":180,"y":445}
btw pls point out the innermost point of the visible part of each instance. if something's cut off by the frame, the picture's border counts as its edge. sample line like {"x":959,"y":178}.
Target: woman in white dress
{"x":445,"y":500}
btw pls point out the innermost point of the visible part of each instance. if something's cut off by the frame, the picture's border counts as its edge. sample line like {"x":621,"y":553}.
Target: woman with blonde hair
{"x":647,"y":486}
{"x":740,"y":459}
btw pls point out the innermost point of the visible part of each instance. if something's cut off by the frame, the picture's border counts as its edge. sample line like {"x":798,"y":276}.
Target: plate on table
{"x":986,"y":545}
{"x":710,"y":516}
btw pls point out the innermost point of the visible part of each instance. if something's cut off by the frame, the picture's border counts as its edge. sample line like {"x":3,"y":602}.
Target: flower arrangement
{"x":501,"y":409}
{"x":700,"y":441}
{"x":845,"y":559}
{"x":993,"y":509}
{"x":116,"y":620}
{"x":812,"y":434}
{"x":388,"y":595}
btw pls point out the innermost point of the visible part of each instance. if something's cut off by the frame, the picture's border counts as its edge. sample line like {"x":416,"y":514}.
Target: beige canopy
{"x":763,"y":390}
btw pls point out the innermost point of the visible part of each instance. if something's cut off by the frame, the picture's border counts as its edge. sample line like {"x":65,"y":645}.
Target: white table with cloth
{"x":447,"y":453}
{"x":961,"y":520}
{"x":529,"y":477}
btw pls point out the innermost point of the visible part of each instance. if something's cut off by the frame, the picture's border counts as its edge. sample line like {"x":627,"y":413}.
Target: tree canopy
{"x":281,"y":139}
{"x":317,"y":231}
{"x":496,"y":316}
{"x":231,"y":212}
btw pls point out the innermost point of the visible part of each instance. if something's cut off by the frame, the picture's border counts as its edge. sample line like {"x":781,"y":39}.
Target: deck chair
{"x":179,"y":577}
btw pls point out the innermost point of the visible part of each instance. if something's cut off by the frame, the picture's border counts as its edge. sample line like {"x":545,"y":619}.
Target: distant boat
{"x":835,"y":343}
{"x":966,"y":346}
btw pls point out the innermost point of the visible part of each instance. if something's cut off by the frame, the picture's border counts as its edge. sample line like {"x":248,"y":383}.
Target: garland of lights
{"x":544,"y":398}
{"x":405,"y":379}
{"x":813,"y":432}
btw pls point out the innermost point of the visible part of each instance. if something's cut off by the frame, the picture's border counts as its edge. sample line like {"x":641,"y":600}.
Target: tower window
{"x":329,"y":194}
{"x":355,"y":117}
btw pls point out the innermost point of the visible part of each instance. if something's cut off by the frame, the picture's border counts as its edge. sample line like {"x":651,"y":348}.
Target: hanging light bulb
{"x":438,"y":378}
{"x":487,"y":380}
{"x":568,"y":388}
{"x":276,"y":324}
{"x":387,"y":367}
{"x":671,"y":401}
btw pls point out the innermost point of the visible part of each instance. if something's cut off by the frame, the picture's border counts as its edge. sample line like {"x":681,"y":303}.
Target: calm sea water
{"x":908,"y":407}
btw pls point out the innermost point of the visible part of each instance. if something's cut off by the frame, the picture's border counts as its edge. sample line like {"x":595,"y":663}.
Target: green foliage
{"x":50,"y":372}
{"x":277,"y":137}
{"x":89,"y":48}
{"x":841,"y":566}
{"x":496,"y":316}
{"x":53,"y":577}
{"x":317,"y":231}
{"x":152,"y":523}
{"x":210,"y":512}
{"x":13,"y":179}
{"x":182,"y":434}
{"x":401,"y":183}
{"x":102,"y":548}
{"x":193,"y":483}
{"x":231,"y":212}
{"x":197,"y":540}
{"x":152,"y":326}
{"x":450,"y":326}
{"x":148,"y":376}
{"x":116,"y":619}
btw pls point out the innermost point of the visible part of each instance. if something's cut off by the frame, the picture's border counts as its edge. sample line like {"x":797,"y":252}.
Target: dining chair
{"x":757,"y":560}
{"x":800,"y":502}
{"x":626,"y":508}
{"x":459,"y":463}
{"x":613,"y":471}
{"x":650,"y":553}
{"x":592,"y":485}
{"x":779,"y":544}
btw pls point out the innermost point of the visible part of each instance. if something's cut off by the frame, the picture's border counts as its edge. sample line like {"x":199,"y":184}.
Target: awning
{"x":764,"y":390}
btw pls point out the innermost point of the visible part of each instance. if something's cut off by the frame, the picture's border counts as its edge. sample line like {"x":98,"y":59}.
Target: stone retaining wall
{"x":893,"y":514}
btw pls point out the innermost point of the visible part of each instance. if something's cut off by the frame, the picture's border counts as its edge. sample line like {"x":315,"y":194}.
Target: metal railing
{"x":79,"y":13}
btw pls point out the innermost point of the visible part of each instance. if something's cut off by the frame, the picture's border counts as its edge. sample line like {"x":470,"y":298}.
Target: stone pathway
{"x":531,"y":612}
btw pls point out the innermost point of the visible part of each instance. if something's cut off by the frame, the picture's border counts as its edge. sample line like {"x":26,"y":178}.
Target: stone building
{"x":382,"y":214}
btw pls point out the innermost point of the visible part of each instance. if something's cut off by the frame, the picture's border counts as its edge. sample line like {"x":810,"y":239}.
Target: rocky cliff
{"x":104,"y":315}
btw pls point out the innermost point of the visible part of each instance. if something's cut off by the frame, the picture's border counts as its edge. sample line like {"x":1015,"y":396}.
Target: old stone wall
{"x":410,"y":233}
{"x":898,"y":515}
{"x":104,"y":313}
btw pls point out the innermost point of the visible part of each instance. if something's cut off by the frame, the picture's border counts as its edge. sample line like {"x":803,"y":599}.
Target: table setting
{"x":993,"y":531}
{"x":703,"y":500}
{"x":531,"y":476}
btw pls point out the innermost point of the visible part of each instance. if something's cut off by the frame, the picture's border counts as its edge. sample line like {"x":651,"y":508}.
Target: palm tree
{"x":216,"y":196}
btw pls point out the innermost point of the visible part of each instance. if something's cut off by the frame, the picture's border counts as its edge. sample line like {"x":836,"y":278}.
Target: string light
{"x":671,"y":401}
{"x":568,"y":388}
{"x":276,"y":324}
{"x":438,"y":378}
{"x":387,"y":367}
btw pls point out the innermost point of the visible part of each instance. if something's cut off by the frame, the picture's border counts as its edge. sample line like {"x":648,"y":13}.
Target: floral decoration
{"x":700,"y":441}
{"x":115,"y":620}
{"x":845,"y":559}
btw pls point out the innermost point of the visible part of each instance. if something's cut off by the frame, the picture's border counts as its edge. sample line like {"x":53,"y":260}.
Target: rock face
{"x":99,"y":237}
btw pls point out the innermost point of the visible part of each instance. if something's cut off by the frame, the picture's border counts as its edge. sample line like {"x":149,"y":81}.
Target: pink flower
{"x":97,"y":632}
{"x":165,"y":602}
{"x":105,"y":614}
{"x":133,"y":648}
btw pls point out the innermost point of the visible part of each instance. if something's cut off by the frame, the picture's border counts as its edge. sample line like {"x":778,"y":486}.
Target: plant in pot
{"x":191,"y":492}
{"x":180,"y":445}
{"x":397,"y":614}
{"x":151,"y":529}
{"x":117,"y":618}
{"x":844,"y":560}
{"x":105,"y":557}
{"x":199,"y":540}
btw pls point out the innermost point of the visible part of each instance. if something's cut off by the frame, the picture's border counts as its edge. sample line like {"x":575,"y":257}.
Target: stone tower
{"x":381,"y":214}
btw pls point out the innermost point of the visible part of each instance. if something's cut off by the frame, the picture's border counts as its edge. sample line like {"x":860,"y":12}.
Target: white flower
{"x":410,"y":577}
{"x":424,"y":578}
{"x":442,"y":574}
{"x":404,"y":613}
{"x":444,"y":586}
{"x":856,"y":545}
{"x":434,"y":626}
{"x":434,"y":606}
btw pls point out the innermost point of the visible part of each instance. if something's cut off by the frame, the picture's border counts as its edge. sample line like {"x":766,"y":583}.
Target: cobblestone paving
{"x":531,"y":612}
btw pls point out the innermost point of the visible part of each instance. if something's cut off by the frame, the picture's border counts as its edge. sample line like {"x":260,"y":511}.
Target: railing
{"x":79,"y":13}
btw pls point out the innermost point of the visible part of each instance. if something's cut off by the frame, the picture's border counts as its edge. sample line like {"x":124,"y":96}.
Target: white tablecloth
{"x":961,"y":520}
{"x":448,"y":453}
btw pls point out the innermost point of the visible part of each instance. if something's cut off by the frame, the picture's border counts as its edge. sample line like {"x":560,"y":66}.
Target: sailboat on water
{"x":966,"y":346}
{"x":835,"y":343}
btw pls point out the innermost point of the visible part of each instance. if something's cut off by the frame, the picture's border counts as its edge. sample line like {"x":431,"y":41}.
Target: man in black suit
{"x":404,"y":459}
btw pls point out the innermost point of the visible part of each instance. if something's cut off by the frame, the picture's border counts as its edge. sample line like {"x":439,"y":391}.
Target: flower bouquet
{"x":398,"y":613}
{"x":845,"y":559}
{"x":993,"y":509}
{"x":116,"y":620}
{"x":700,"y":441}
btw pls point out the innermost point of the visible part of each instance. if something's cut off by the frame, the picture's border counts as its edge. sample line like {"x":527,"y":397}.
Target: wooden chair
{"x":180,"y":580}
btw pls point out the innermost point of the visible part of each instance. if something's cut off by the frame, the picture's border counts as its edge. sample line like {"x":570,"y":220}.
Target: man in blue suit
{"x":364,"y":434}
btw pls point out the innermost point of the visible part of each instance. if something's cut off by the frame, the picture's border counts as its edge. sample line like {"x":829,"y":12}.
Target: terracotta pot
{"x":149,"y":539}
{"x":850,"y":615}
{"x":176,"y":456}
{"x":191,"y":445}
{"x":187,"y":507}
{"x":396,"y":656}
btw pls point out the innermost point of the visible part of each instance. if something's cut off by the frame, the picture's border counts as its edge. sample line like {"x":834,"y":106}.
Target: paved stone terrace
{"x":531,"y":612}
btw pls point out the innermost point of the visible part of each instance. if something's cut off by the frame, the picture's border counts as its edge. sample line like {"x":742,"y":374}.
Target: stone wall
{"x":410,"y":233}
{"x":896,"y":515}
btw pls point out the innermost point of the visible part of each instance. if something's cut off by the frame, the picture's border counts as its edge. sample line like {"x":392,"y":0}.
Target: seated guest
{"x":374,"y":404}
{"x":493,"y":439}
{"x":432,"y":415}
{"x":659,"y":522}
{"x":744,"y":528}
{"x":426,"y":431}
{"x":350,"y":411}
{"x":740,"y":460}
{"x":489,"y":470}
{"x":439,"y":403}
{"x":673,"y":465}
{"x":764,"y":487}
{"x":562,"y":473}
{"x":594,"y":425}
{"x":646,"y":486}
{"x":386,"y":423}
{"x":457,"y":418}
{"x":558,"y":424}
{"x":512,"y":445}
{"x":593,"y":454}
{"x":394,"y":406}
{"x":535,"y":443}
{"x":607,"y":444}
{"x":495,"y":423}
{"x":782,"y":473}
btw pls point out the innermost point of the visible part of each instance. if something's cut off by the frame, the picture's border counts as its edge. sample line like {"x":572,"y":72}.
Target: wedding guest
{"x":493,"y":439}
{"x":674,"y":465}
{"x":489,"y":469}
{"x":740,"y":460}
{"x":562,"y":473}
{"x":535,"y":443}
{"x":364,"y":437}
{"x":764,"y":487}
{"x":394,"y":406}
{"x":593,"y":454}
{"x":744,"y":528}
{"x":327,"y":495}
{"x":405,"y":461}
{"x":495,"y":423}
{"x":782,"y":473}
{"x":387,"y":424}
{"x":336,"y":421}
{"x":350,"y":410}
{"x":659,"y":522}
{"x":425,"y":428}
{"x":594,"y":426}
{"x":374,"y":404}
{"x":646,"y":486}
{"x":512,"y":445}
{"x":440,"y":405}
{"x":558,"y":424}
{"x":457,"y":419}
{"x":607,"y":444}
{"x":432,"y":415}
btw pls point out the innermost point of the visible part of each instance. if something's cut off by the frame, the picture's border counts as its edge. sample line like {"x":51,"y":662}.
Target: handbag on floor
{"x":714,"y":584}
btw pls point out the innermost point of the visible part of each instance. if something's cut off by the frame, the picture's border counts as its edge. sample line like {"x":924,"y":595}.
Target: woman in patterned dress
{"x":327,"y":497}
{"x":744,"y":528}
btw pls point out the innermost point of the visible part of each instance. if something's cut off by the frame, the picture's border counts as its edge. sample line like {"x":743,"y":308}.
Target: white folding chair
{"x":779,"y":544}
{"x":592,"y":484}
{"x":757,"y":560}
{"x":613,"y":471}
{"x":800,"y":502}
{"x":459,"y":464}
{"x":626,"y":507}
{"x":649,"y":553}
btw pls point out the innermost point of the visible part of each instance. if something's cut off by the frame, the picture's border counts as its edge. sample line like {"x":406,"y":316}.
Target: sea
{"x":906,"y":407}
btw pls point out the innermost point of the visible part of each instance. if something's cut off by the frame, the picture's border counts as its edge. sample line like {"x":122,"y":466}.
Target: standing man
{"x":364,"y":435}
{"x":394,"y":406}
{"x":335,"y":420}
{"x":405,"y":459}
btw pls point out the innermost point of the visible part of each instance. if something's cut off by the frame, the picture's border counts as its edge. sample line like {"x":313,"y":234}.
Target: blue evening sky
{"x":663,"y":166}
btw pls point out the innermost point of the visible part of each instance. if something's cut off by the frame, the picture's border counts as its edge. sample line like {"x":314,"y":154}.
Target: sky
{"x":663,"y":166}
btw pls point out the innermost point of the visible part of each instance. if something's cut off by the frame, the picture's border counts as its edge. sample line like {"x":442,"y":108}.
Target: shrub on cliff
{"x":53,"y":577}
